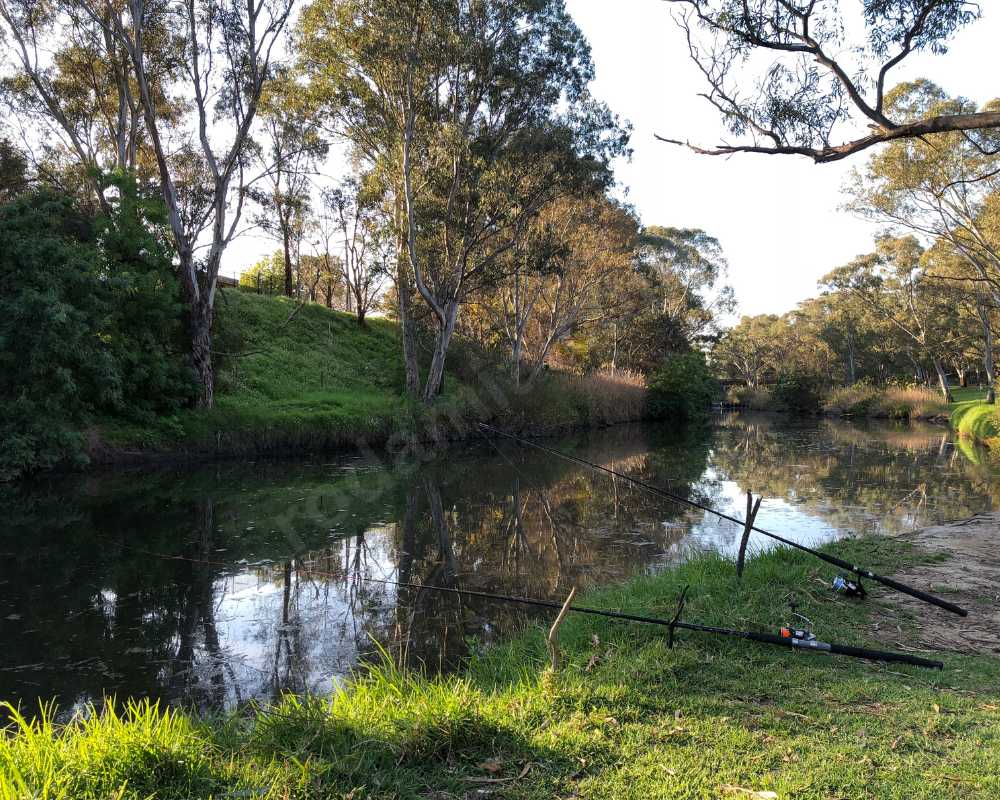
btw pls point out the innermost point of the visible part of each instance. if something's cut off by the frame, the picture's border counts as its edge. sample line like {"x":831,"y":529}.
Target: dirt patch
{"x":969,"y":576}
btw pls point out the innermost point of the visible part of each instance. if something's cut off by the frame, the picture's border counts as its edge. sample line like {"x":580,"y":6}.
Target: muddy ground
{"x":969,"y":576}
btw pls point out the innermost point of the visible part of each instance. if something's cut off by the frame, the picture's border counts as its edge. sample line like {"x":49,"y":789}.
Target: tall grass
{"x":754,"y":399}
{"x":608,"y":397}
{"x":892,"y":402}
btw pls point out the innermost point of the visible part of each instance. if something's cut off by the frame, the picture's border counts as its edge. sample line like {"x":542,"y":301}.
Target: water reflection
{"x":212,"y":587}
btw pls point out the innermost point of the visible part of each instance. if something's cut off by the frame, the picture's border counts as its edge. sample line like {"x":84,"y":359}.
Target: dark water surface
{"x":210,"y":586}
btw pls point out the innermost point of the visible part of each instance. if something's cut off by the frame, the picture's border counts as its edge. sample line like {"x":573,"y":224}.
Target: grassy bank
{"x":625,"y":716}
{"x":294,"y":378}
{"x":973,"y":418}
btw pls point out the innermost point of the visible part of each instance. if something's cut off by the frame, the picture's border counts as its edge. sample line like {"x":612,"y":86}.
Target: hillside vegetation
{"x":295,"y":377}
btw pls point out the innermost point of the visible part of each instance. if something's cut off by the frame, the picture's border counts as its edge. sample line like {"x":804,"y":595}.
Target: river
{"x":211,"y":586}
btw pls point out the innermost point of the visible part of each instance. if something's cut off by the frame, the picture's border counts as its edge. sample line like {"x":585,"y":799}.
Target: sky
{"x":778,"y":218}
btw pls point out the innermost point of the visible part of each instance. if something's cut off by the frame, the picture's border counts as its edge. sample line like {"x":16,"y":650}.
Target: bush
{"x":754,"y":398}
{"x":89,"y":324}
{"x":799,"y":392}
{"x":857,"y":400}
{"x":683,"y":388}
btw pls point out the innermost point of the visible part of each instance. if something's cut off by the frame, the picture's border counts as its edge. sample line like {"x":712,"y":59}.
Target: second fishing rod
{"x":838,"y":562}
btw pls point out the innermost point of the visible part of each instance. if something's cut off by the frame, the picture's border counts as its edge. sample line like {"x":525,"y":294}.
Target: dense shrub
{"x":682,"y":388}
{"x":799,"y":392}
{"x":89,"y":324}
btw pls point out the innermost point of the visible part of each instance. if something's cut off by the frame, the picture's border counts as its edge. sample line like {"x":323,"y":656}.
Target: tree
{"x":225,"y":60}
{"x":749,"y":349}
{"x":13,"y":172}
{"x":267,"y":276}
{"x":290,"y":152}
{"x":587,"y":245}
{"x":684,"y":267}
{"x":89,"y":323}
{"x":73,"y":92}
{"x":815,"y":81}
{"x":893,"y":282}
{"x":366,"y":244}
{"x":481,"y":117}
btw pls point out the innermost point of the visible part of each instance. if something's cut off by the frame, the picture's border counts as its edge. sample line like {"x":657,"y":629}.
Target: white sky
{"x":777,"y":217}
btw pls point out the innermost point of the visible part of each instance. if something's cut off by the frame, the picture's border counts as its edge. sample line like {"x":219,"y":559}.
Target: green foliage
{"x":976,"y":420}
{"x":799,"y":392}
{"x":13,"y":171}
{"x":88,"y":324}
{"x":683,"y":388}
{"x":267,"y":276}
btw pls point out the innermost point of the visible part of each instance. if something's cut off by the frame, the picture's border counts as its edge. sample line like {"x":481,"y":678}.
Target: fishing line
{"x":860,"y":571}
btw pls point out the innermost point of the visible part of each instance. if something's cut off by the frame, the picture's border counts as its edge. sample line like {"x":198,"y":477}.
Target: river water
{"x":212,"y":586}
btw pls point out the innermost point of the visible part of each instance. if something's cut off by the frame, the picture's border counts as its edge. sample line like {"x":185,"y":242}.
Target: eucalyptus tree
{"x":787,"y":77}
{"x":477,"y":115}
{"x":566,"y":283}
{"x":939,"y":186}
{"x":225,"y":50}
{"x":290,"y":150}
{"x":750,"y":349}
{"x":366,"y":244}
{"x":893,"y":283}
{"x":854,"y":334}
{"x":70,"y":88}
{"x":686,"y":268}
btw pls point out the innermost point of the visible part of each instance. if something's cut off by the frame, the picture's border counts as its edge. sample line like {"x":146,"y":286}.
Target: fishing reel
{"x":803,"y":634}
{"x":849,"y":588}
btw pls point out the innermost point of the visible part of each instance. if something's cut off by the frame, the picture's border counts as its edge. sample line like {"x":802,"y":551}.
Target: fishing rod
{"x":791,"y":638}
{"x":837,"y":562}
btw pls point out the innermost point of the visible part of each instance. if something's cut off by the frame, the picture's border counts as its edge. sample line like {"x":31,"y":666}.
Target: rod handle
{"x":882,"y":655}
{"x":904,"y":589}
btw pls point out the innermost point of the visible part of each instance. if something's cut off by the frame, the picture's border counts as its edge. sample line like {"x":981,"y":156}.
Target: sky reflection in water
{"x":227,"y":583}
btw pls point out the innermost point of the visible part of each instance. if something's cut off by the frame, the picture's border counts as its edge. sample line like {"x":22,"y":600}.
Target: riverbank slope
{"x":294,"y":378}
{"x":625,"y":717}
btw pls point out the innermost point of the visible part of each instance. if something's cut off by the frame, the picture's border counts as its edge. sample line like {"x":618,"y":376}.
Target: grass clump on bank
{"x":975,"y":419}
{"x":302,"y":378}
{"x":889,"y":402}
{"x":625,"y":718}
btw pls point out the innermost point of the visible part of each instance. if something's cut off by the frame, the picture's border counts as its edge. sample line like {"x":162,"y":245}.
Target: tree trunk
{"x":851,"y":368}
{"x":984,"y":317}
{"x":516,"y":356}
{"x":942,"y":380}
{"x":287,"y":248}
{"x":435,"y":374}
{"x":200,"y":322}
{"x":403,"y":298}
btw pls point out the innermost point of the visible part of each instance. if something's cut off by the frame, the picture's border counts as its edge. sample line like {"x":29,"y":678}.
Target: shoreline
{"x":625,"y":716}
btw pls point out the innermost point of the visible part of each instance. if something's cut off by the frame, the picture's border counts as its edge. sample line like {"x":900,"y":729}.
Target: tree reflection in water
{"x":216,"y":586}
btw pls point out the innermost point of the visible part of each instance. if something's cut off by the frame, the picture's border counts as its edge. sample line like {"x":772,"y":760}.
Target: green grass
{"x":626,"y":717}
{"x":972,"y":418}
{"x":310,"y":379}
{"x":967,"y":394}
